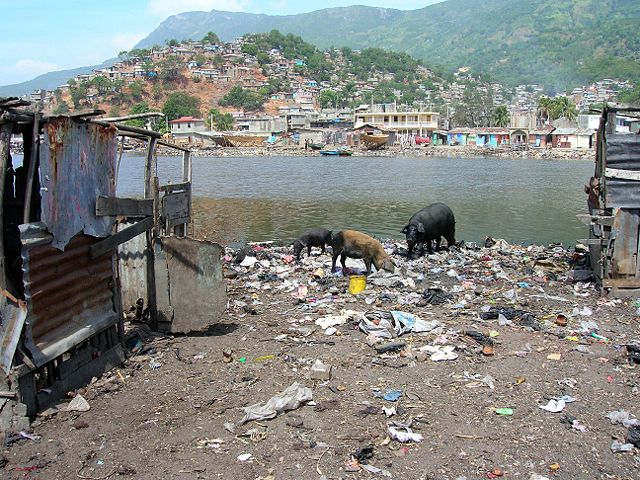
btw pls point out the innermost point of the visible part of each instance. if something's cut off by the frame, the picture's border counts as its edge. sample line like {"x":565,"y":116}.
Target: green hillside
{"x":558,"y":43}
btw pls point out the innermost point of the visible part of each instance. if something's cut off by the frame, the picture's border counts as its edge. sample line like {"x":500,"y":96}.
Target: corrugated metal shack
{"x":614,"y":207}
{"x":70,"y":250}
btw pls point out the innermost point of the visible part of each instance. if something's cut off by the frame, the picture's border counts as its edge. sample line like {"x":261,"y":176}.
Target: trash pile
{"x":414,"y":315}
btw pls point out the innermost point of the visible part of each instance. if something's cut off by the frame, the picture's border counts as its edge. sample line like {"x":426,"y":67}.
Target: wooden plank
{"x":595,"y":219}
{"x":621,"y":283}
{"x":5,"y":140}
{"x":626,"y":242}
{"x":109,"y":243}
{"x":621,"y":174}
{"x":172,"y":187}
{"x":123,"y":207}
{"x":175,"y":205}
{"x":593,"y":241}
{"x":33,"y":158}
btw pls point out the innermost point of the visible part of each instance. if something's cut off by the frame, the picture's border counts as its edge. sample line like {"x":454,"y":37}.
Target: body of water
{"x":277,"y":198}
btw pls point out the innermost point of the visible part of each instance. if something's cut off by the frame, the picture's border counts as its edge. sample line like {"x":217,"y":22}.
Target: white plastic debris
{"x":248,"y":262}
{"x":245,"y":457}
{"x":623,"y":417}
{"x":320,"y":371}
{"x":290,"y":399}
{"x":440,"y":353}
{"x":403,"y":434}
{"x":619,"y":447}
{"x":78,"y":404}
{"x":554,"y":406}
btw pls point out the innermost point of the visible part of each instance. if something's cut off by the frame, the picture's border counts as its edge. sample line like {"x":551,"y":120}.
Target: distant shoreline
{"x":394,"y":151}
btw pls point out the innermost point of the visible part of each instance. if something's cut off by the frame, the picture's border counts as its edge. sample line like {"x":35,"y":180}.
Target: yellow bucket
{"x":357,"y":283}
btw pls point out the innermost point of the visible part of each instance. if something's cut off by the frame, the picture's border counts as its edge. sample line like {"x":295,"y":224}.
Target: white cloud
{"x":126,"y":41}
{"x":24,"y":69}
{"x":164,"y":8}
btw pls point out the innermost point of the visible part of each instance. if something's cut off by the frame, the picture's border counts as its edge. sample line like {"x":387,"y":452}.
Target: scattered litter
{"x":320,"y":371}
{"x":245,"y":457}
{"x":290,"y":399}
{"x":504,"y":411}
{"x":78,"y":404}
{"x":619,"y":447}
{"x":403,"y":433}
{"x":623,"y":417}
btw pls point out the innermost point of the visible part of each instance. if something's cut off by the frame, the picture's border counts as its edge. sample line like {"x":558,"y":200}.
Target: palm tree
{"x":501,"y":116}
{"x":544,"y":109}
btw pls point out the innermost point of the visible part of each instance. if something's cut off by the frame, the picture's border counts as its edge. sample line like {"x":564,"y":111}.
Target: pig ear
{"x":420,"y":228}
{"x":404,"y":230}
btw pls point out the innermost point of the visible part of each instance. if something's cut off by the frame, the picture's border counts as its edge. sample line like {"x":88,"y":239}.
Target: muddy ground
{"x":181,"y":420}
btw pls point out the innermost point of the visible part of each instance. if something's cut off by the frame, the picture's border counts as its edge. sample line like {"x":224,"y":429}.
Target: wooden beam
{"x":5,"y":140}
{"x":593,"y":241}
{"x":173,"y":187}
{"x":587,"y":219}
{"x":98,"y":249}
{"x":123,"y":207}
{"x":621,"y":282}
{"x":33,"y":159}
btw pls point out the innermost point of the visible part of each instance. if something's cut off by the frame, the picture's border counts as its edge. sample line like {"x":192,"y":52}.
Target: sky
{"x":40,"y":36}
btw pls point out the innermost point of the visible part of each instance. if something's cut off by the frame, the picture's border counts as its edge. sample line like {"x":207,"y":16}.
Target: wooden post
{"x":149,"y":171}
{"x":5,"y":140}
{"x":183,"y":230}
{"x":33,"y":161}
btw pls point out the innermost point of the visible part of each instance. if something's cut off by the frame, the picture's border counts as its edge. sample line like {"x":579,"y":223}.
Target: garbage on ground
{"x":623,"y":417}
{"x":320,"y":371}
{"x":504,"y":411}
{"x":439,"y":353}
{"x":402,"y":432}
{"x":389,"y":395}
{"x":291,"y":398}
{"x":619,"y":447}
{"x":383,"y":324}
{"x":78,"y":404}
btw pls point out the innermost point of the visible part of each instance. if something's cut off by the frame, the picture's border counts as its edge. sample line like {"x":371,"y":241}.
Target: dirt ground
{"x":181,"y":420}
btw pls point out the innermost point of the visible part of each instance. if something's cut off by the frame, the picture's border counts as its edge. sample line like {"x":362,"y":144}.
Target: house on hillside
{"x":187,"y":128}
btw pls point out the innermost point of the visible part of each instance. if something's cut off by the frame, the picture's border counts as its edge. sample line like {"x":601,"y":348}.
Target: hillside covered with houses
{"x":281,"y":88}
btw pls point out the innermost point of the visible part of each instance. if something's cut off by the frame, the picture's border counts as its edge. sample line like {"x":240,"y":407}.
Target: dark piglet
{"x":430,"y":223}
{"x":353,"y":244}
{"x":318,"y":237}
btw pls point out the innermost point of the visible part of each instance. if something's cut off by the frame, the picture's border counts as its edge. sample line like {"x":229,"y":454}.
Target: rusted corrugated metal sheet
{"x":623,"y":153}
{"x":68,"y":294}
{"x":132,"y":269}
{"x":78,"y":163}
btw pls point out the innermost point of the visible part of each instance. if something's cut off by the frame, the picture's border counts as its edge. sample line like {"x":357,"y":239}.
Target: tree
{"x":78,"y":93}
{"x":101,"y":84}
{"x":329,"y":98}
{"x":200,"y":59}
{"x":220,"y":121}
{"x":211,"y":39}
{"x":181,"y":104}
{"x":544,"y":110}
{"x":142,"y":107}
{"x":170,"y":69}
{"x":172,"y":43}
{"x":241,"y":98}
{"x":501,"y":116}
{"x":61,"y":108}
{"x":137,"y":90}
{"x":114,"y":111}
{"x":630,"y":96}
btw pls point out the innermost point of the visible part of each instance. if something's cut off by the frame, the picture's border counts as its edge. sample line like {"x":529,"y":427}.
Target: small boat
{"x":374,"y":142}
{"x":316,"y":146}
{"x":342,"y":152}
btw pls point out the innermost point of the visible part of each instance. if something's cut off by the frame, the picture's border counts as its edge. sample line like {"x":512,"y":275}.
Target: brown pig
{"x":353,"y":244}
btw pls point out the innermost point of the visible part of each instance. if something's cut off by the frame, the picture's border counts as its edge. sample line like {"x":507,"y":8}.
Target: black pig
{"x":318,"y":237}
{"x":429,"y":224}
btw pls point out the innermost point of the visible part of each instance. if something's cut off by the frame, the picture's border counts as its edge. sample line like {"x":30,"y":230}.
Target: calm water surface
{"x":276,"y":198}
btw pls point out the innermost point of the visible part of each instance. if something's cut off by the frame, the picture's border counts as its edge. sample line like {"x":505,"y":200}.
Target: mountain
{"x":557,"y":43}
{"x":48,"y":81}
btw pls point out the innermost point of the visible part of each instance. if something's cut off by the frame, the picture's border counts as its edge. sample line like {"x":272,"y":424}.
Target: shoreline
{"x":394,"y":151}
